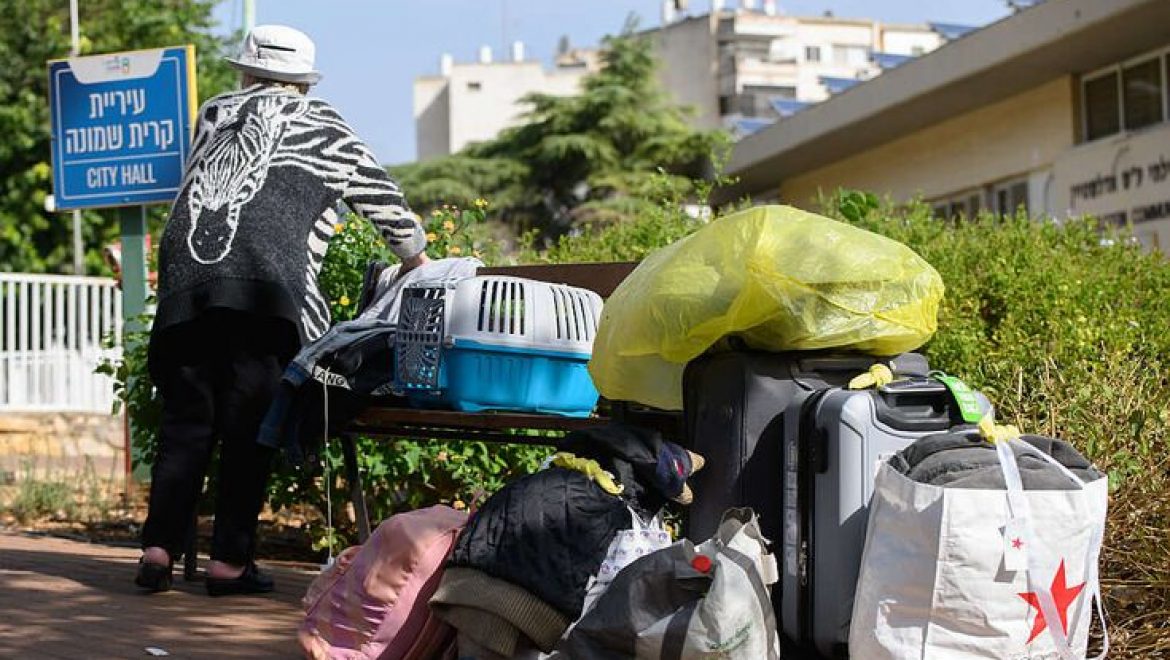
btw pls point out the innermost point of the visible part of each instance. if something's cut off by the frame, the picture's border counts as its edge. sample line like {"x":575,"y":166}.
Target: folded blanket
{"x":962,"y":458}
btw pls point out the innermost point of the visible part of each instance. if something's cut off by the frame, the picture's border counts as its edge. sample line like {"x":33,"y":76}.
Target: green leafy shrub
{"x":133,"y":389}
{"x":354,"y":245}
{"x":37,"y":499}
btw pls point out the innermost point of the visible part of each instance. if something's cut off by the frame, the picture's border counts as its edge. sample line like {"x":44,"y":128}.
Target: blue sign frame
{"x":121,"y":126}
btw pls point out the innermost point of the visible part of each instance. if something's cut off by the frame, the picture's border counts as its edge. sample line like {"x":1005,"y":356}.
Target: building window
{"x":959,"y":207}
{"x":812,"y":53}
{"x":1142,"y":100}
{"x":1010,"y":197}
{"x":1127,"y":96}
{"x":974,"y":204}
{"x":1102,"y":107}
{"x":779,"y":91}
{"x":850,"y":55}
{"x":474,"y":86}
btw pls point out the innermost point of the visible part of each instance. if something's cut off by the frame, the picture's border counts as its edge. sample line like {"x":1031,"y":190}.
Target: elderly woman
{"x":238,"y":291}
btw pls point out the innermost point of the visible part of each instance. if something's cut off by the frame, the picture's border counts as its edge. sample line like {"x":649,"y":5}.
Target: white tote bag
{"x":735,"y":619}
{"x":962,"y":573}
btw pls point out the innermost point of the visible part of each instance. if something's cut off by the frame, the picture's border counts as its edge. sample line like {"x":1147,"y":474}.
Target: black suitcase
{"x":734,"y":405}
{"x":740,"y":410}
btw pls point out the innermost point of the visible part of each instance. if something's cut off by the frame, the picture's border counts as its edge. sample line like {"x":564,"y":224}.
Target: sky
{"x":370,"y":51}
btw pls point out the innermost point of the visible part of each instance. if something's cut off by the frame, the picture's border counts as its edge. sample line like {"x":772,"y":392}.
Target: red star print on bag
{"x":1062,"y":595}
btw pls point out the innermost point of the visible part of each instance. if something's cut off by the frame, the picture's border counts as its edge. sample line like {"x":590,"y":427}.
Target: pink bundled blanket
{"x":372,"y":603}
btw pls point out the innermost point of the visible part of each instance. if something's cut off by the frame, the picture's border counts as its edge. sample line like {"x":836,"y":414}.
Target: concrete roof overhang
{"x":1053,"y":39}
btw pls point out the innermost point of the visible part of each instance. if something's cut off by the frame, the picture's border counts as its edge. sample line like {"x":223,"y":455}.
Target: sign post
{"x":121,"y":133}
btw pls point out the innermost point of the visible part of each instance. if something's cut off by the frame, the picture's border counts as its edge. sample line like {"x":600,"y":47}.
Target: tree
{"x":35,"y":31}
{"x":577,"y":159}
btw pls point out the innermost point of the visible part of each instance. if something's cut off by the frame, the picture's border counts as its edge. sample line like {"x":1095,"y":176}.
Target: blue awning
{"x":951,"y":31}
{"x":890,"y":60}
{"x":749,"y":125}
{"x":837,"y":85}
{"x":787,"y":107}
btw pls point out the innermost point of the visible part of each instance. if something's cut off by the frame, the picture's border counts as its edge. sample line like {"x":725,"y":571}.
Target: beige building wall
{"x":477,"y":101}
{"x":688,"y":67}
{"x":485,"y":98}
{"x":432,"y":117}
{"x":1020,"y":135}
{"x":908,"y":40}
{"x":1124,"y":175}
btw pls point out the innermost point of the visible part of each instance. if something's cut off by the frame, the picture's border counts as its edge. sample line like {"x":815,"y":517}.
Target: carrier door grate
{"x":419,"y":337}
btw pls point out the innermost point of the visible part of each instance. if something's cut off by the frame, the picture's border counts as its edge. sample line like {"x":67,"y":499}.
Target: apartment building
{"x":745,"y":66}
{"x":473,"y":101}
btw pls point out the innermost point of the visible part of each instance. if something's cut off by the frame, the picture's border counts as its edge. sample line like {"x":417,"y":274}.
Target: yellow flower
{"x":458,"y":505}
{"x":436,"y":213}
{"x":448,"y":226}
{"x":431,"y":237}
{"x":481,"y":203}
{"x":339,"y":227}
{"x":476,"y":253}
{"x":344,"y":302}
{"x":454,"y":249}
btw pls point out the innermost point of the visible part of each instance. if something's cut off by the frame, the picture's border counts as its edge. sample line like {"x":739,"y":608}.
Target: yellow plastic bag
{"x":778,"y":277}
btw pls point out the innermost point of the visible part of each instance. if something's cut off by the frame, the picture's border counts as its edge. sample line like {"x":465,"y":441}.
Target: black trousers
{"x":217,"y":376}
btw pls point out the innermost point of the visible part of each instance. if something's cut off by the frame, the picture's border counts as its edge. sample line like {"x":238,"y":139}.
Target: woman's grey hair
{"x":247,"y":80}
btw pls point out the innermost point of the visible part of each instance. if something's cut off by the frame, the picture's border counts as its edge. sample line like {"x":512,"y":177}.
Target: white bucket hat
{"x":278,"y":52}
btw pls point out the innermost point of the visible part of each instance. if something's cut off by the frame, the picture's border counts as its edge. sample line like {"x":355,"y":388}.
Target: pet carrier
{"x":497,"y":343}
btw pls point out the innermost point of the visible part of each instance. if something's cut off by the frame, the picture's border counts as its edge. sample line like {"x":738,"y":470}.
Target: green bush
{"x":37,"y":499}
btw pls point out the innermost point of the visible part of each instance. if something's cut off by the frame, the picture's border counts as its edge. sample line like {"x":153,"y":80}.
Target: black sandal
{"x":154,"y":577}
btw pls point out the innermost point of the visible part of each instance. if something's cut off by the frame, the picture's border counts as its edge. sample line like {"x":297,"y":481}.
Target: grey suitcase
{"x":831,"y":452}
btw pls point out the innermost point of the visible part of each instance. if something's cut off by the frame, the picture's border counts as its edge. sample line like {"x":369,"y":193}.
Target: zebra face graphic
{"x":228,"y":175}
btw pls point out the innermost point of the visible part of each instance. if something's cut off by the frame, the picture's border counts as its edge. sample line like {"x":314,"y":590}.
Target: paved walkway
{"x":68,"y":599}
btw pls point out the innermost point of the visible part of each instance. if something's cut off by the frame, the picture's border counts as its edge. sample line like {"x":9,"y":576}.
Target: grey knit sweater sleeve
{"x":375,"y":196}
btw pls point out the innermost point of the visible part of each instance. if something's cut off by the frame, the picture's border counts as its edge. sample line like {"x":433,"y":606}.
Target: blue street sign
{"x":121,"y":126}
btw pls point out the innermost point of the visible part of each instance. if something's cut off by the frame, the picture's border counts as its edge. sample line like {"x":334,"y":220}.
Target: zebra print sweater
{"x":256,"y":209}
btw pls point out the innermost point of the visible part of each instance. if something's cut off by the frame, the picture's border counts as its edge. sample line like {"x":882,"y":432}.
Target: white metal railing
{"x":52,"y":329}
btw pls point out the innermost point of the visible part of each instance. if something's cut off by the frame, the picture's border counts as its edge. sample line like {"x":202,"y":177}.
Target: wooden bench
{"x":389,"y":423}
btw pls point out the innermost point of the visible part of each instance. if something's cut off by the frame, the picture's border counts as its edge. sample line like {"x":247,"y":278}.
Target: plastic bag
{"x":709,"y":601}
{"x":778,"y":277}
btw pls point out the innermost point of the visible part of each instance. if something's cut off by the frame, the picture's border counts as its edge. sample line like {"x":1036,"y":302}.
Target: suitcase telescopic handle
{"x":918,"y":405}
